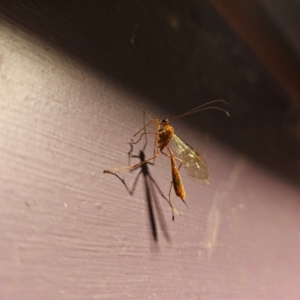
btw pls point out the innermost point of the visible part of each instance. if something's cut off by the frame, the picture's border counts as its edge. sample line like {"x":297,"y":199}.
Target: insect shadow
{"x":153,"y":203}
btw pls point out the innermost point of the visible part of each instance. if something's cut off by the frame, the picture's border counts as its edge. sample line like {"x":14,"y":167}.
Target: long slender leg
{"x":156,"y":153}
{"x":151,"y":121}
{"x":156,"y":133}
{"x":134,"y":166}
{"x":142,"y":134}
{"x":145,"y":126}
{"x":170,"y":156}
{"x":174,"y":210}
{"x":146,"y":139}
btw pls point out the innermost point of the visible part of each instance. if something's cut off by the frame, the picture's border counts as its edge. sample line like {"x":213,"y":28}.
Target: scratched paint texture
{"x":68,"y":231}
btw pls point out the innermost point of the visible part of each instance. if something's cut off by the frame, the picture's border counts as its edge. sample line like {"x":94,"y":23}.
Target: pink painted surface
{"x":68,"y":231}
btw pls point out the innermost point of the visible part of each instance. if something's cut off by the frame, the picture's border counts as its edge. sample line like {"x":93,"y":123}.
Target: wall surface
{"x":75,"y":79}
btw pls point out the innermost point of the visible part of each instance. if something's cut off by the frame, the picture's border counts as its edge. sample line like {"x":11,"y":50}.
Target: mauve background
{"x":75,"y":79}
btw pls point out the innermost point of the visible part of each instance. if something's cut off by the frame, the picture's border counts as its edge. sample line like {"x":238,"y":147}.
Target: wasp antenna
{"x":206,"y":104}
{"x":204,"y":107}
{"x":215,"y":107}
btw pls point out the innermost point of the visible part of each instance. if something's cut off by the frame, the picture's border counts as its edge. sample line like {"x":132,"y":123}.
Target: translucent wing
{"x":192,"y":160}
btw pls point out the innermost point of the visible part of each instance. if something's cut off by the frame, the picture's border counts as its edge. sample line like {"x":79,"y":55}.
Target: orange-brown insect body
{"x":165,"y":134}
{"x":177,"y":182}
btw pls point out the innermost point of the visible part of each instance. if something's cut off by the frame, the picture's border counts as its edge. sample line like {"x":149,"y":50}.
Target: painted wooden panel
{"x":68,"y":231}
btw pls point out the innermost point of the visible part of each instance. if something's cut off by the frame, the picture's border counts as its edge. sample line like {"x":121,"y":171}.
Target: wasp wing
{"x":194,"y":164}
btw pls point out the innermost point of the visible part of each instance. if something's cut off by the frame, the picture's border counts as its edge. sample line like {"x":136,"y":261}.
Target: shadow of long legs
{"x":150,"y":196}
